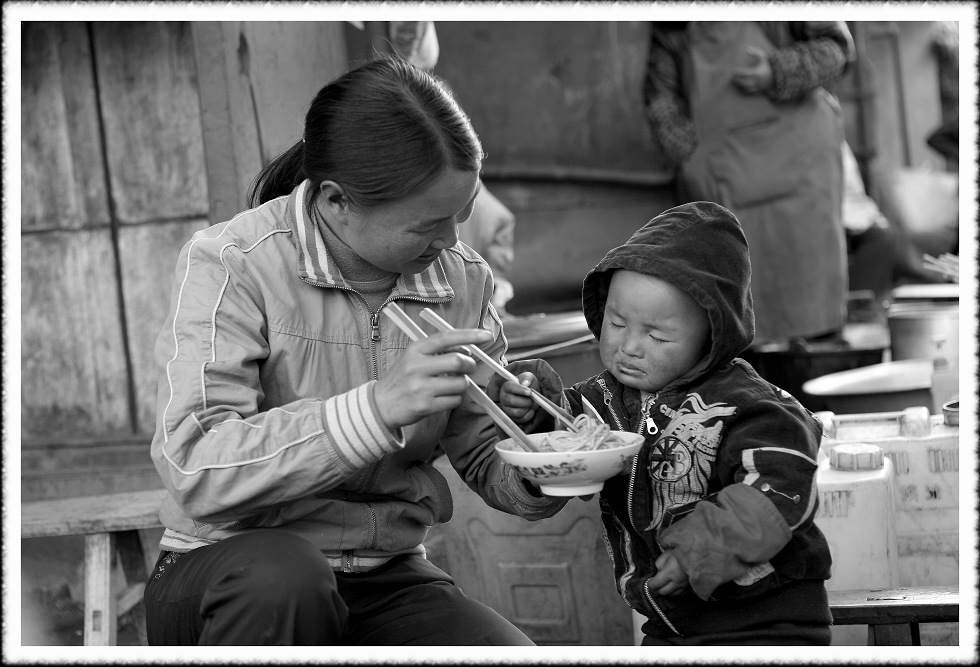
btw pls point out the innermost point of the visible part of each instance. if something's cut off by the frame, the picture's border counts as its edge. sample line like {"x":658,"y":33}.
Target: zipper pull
{"x":375,"y":327}
{"x":765,"y":488}
{"x":651,"y":426}
{"x":606,"y":394}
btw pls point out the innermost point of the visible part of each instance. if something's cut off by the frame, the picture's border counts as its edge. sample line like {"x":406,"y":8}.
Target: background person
{"x":739,"y":107}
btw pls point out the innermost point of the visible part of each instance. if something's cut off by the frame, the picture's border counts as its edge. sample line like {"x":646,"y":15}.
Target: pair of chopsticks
{"x":946,"y":264}
{"x":561,"y":416}
{"x":414,"y":332}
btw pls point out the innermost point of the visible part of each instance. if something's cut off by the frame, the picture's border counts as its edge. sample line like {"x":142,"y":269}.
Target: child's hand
{"x":513,"y":398}
{"x":670,"y":578}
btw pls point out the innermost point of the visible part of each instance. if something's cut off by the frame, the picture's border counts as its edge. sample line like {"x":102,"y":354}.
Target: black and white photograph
{"x":490,"y":333}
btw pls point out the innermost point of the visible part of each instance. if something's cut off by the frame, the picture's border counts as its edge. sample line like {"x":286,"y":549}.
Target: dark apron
{"x":778,"y":168}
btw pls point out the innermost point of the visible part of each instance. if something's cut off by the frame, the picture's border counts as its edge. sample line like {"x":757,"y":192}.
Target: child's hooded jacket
{"x":726,"y":479}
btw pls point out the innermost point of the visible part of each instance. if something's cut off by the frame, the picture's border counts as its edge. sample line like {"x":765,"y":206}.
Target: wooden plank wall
{"x":257,"y":82}
{"x":119,"y":169}
{"x":73,"y":366}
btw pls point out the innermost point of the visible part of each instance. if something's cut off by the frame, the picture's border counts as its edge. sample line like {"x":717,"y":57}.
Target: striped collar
{"x":318,"y":268}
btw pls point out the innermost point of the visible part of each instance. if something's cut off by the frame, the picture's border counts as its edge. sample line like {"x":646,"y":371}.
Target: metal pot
{"x":925,"y":331}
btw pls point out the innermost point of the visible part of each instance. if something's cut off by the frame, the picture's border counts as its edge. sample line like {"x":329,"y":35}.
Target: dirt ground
{"x":53,"y":618}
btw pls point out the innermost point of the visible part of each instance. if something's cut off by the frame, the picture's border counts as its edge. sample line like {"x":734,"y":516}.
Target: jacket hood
{"x":699,"y":248}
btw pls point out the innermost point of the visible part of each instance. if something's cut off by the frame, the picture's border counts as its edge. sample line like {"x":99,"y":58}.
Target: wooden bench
{"x":893,"y":615}
{"x":110,"y":524}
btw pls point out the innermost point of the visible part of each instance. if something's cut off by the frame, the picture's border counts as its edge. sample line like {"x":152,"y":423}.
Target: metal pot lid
{"x":544,"y":329}
{"x":924,"y":311}
{"x":927,"y":292}
{"x":891,"y":376}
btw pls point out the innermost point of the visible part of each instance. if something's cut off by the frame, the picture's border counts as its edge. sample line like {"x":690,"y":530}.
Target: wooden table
{"x":893,"y":615}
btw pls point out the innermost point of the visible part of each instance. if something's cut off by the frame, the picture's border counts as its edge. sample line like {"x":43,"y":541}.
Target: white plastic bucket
{"x":924,"y":451}
{"x":856,"y":514}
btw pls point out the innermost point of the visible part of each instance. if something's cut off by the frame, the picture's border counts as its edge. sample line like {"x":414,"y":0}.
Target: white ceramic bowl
{"x":570,"y":473}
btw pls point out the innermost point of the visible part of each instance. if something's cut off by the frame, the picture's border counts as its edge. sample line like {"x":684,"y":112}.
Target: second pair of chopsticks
{"x":946,"y":264}
{"x":414,"y":332}
{"x":561,"y":416}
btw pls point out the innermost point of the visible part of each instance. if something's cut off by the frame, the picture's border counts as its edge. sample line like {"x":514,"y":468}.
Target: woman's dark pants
{"x":273,"y":588}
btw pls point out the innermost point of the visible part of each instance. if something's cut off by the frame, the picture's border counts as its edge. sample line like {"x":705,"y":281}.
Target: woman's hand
{"x":670,"y":578}
{"x":757,"y":76}
{"x":513,"y":398}
{"x":429,"y":377}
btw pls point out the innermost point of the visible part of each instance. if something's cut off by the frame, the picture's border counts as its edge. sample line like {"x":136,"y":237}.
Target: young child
{"x":711,"y":532}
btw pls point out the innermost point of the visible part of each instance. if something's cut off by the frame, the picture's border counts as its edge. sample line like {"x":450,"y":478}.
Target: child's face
{"x":652,"y":332}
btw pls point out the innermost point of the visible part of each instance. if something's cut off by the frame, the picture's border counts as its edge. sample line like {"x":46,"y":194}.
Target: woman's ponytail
{"x":381,"y":131}
{"x":279,"y":177}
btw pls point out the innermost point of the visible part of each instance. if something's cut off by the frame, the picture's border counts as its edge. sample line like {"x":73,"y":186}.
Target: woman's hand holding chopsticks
{"x":414,"y":332}
{"x":429,"y":377}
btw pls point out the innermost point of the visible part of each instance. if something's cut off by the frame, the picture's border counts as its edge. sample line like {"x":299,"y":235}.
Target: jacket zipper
{"x":657,"y":609}
{"x":607,"y":400}
{"x":374,"y":318}
{"x":347,"y":557}
{"x":646,"y":424}
{"x":375,"y":337}
{"x":374,"y":526}
{"x":645,"y":416}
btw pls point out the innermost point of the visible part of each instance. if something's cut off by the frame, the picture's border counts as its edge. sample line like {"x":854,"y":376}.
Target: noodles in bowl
{"x":585,"y":435}
{"x":579,"y":461}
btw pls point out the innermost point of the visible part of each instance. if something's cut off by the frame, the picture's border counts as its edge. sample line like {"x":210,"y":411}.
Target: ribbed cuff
{"x":354,"y":429}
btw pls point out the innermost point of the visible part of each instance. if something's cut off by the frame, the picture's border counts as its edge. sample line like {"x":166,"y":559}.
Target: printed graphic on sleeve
{"x":681,"y":458}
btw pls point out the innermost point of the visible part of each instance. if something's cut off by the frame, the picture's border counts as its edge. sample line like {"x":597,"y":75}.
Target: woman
{"x":295,"y":419}
{"x":740,"y":108}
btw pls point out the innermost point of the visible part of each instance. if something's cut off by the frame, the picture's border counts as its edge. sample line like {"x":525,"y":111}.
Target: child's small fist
{"x":670,"y":578}
{"x":514,"y":398}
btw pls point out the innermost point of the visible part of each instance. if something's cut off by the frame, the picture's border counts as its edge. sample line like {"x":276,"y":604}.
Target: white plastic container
{"x":924,"y":451}
{"x":857,"y":515}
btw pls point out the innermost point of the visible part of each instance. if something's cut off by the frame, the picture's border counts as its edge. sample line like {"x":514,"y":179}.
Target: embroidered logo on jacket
{"x":682,"y":457}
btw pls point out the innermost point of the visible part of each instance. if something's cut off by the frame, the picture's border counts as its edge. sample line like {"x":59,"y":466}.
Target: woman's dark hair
{"x":381,"y":131}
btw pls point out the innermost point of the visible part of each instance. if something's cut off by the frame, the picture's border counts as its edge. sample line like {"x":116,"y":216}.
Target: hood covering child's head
{"x":699,"y":248}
